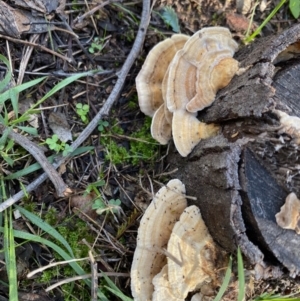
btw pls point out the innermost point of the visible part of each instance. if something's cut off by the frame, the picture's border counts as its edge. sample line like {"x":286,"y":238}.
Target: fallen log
{"x":242,"y":176}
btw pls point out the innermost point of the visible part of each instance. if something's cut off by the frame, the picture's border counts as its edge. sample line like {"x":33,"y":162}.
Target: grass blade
{"x":241,"y":276}
{"x":30,"y":237}
{"x":17,"y":89}
{"x":65,"y":82}
{"x":36,"y":166}
{"x":10,"y":257}
{"x":46,"y":227}
{"x":225,"y":281}
{"x":7,"y":78}
{"x":269,"y":17}
{"x":114,"y":289}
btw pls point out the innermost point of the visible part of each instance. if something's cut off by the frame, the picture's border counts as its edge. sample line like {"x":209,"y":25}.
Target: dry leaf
{"x":59,"y":125}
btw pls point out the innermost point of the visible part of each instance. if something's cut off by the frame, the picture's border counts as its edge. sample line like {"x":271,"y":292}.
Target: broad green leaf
{"x":295,"y":8}
{"x":170,"y":17}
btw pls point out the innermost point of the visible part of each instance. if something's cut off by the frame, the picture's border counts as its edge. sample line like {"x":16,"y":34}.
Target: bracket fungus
{"x":289,"y":215}
{"x":191,"y":243}
{"x":160,"y":127}
{"x":207,"y":65}
{"x":153,"y":234}
{"x":149,"y":79}
{"x":190,"y":258}
{"x":188,"y":131}
{"x":185,"y":73}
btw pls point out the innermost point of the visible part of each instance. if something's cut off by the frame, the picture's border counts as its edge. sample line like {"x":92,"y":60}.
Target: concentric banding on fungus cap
{"x":153,"y":235}
{"x":149,"y":79}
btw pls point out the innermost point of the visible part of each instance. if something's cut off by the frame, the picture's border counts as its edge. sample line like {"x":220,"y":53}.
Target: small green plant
{"x":82,"y":110}
{"x":93,"y":187}
{"x":102,"y":125}
{"x":57,"y":145}
{"x":112,"y":206}
{"x":294,"y":6}
{"x":97,"y":45}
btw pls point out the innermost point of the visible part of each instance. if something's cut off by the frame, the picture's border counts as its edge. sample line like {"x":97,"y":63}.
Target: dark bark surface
{"x":242,"y":177}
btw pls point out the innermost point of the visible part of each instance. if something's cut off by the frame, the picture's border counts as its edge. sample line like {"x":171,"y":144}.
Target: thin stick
{"x":92,"y":11}
{"x":35,"y":151}
{"x":37,"y":46}
{"x":84,"y":277}
{"x":104,"y":110}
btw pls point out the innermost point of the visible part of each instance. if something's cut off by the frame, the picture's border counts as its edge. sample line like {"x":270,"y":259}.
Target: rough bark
{"x":242,"y":177}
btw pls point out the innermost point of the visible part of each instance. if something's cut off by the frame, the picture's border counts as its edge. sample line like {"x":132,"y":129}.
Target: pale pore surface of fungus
{"x":161,"y":129}
{"x":289,"y":215}
{"x":201,"y":54}
{"x":163,"y":289}
{"x":290,"y":125}
{"x":149,"y":79}
{"x":190,"y":243}
{"x":188,"y":131}
{"x":153,"y":234}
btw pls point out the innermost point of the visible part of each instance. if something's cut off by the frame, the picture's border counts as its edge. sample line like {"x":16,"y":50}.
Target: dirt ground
{"x":122,"y":153}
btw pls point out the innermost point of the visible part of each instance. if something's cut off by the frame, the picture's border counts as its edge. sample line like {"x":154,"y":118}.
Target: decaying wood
{"x":242,"y":176}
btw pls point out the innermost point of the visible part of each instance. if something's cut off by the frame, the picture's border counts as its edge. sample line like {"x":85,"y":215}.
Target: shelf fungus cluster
{"x":181,"y":76}
{"x":175,"y":254}
{"x":289,"y":215}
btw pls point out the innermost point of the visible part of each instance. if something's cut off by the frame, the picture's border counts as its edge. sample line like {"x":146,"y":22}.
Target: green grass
{"x":294,"y":6}
{"x":242,"y":285}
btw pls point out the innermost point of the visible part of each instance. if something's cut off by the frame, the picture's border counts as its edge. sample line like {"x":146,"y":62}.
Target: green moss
{"x":144,"y":149}
{"x":147,"y":148}
{"x":133,"y":102}
{"x":74,"y":231}
{"x":30,"y":206}
{"x":51,"y":216}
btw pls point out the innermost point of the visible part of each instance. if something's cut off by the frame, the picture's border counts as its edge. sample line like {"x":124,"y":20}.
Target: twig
{"x":37,"y":46}
{"x":94,"y":277}
{"x":92,"y":11}
{"x":68,"y":280}
{"x":63,"y":18}
{"x":104,"y":110}
{"x":34,"y":150}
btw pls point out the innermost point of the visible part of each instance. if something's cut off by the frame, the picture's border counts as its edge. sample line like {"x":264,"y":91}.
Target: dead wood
{"x":242,"y":177}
